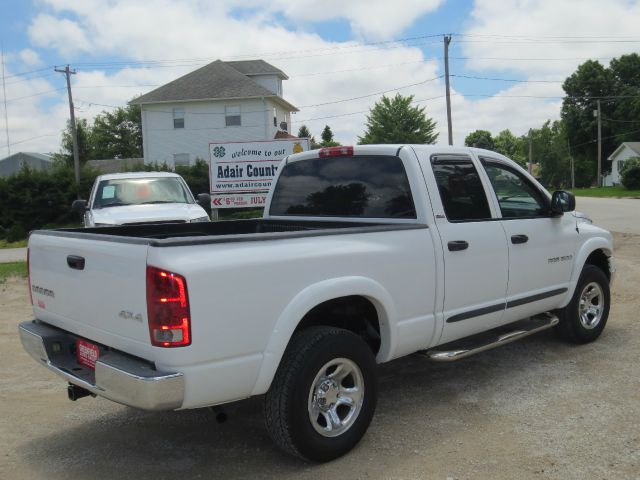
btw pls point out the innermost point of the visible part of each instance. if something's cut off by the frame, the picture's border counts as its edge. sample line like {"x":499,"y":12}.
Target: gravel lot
{"x":533,"y":409}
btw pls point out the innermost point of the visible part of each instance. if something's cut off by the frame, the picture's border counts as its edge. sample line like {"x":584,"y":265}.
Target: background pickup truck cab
{"x":141,"y":197}
{"x":364,"y":254}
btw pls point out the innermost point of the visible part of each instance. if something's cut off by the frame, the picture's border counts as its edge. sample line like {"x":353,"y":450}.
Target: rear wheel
{"x":584,"y":318}
{"x":324,"y":394}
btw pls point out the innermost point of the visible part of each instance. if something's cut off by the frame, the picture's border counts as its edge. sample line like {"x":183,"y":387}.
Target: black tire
{"x":288,"y":403}
{"x":571,"y":328}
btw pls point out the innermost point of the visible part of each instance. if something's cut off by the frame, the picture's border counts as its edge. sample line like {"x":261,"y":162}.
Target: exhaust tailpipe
{"x":75,"y":392}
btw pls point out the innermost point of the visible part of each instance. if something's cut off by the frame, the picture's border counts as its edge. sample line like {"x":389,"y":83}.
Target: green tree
{"x":118,"y":134}
{"x":620,"y":116}
{"x":510,"y":146}
{"x":303,"y":132}
{"x":480,"y":139}
{"x":327,"y":138}
{"x":630,"y":173}
{"x":327,"y":134}
{"x":394,"y":120}
{"x":85,"y":143}
{"x":550,"y":151}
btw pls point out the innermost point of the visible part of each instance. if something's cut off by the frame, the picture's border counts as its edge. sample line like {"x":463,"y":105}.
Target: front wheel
{"x":584,"y":318}
{"x":324,"y":394}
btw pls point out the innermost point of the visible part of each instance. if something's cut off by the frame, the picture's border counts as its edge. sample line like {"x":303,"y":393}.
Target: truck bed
{"x":181,"y":234}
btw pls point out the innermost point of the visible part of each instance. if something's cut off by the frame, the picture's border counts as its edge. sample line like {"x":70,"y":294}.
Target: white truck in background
{"x":365,"y":254}
{"x":141,"y":197}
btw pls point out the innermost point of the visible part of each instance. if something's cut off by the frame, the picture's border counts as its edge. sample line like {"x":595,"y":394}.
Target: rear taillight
{"x":29,"y":277}
{"x":168,"y":308}
{"x":335,"y":152}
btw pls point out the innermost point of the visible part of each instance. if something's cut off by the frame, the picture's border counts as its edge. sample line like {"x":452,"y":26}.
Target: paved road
{"x":615,"y":214}
{"x":8,"y":255}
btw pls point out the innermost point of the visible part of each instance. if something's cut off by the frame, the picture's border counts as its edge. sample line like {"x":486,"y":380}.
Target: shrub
{"x":630,"y":173}
{"x":31,"y":199}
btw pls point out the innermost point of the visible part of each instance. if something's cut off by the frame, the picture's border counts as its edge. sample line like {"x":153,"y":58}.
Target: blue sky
{"x":332,"y":50}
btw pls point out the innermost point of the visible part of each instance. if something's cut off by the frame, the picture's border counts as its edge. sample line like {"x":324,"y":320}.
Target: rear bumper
{"x":124,"y":379}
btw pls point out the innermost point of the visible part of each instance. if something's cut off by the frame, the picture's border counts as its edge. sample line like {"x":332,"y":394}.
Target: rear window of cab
{"x":367,"y":186}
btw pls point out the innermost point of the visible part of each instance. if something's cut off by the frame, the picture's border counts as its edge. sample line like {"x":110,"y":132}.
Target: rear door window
{"x":366,"y":186}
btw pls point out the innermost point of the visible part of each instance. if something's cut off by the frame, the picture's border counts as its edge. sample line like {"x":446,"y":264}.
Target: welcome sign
{"x":242,"y":172}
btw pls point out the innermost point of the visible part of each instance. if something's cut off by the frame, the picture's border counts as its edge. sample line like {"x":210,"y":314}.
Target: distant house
{"x":625,"y":151}
{"x":220,"y":102}
{"x":14,"y":163}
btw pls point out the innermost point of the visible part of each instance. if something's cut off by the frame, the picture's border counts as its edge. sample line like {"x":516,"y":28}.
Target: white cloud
{"x":198,"y":32}
{"x":549,"y":29}
{"x":30,"y":57}
{"x":62,"y":34}
{"x":371,"y":19}
{"x":537,"y":40}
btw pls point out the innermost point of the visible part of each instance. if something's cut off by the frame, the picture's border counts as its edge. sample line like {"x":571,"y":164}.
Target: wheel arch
{"x":303,"y":311}
{"x":595,"y":251}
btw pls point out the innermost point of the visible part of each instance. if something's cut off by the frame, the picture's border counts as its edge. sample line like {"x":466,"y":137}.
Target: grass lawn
{"x":15,"y":269}
{"x":18,"y":244}
{"x":618,"y":191}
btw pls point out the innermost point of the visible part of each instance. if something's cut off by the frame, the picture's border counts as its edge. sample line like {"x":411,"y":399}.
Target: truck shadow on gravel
{"x":418,"y":400}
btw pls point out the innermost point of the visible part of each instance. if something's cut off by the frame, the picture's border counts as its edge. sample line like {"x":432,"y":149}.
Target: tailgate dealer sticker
{"x":87,"y":354}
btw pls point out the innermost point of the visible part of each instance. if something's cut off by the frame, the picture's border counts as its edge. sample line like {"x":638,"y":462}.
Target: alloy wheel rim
{"x":591,"y":305}
{"x":336,"y":397}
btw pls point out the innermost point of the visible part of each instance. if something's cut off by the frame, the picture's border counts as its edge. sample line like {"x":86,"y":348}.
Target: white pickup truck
{"x":141,"y":197}
{"x":364,"y":254}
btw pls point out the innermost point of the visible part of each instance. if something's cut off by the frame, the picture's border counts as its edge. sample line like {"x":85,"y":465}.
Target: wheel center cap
{"x":327,"y":394}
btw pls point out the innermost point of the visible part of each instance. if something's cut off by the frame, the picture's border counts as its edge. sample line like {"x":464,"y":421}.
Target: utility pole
{"x":4,"y":96}
{"x":447,"y":41}
{"x":74,"y":134}
{"x":573,"y":171}
{"x":599,"y":145}
{"x":530,"y":152}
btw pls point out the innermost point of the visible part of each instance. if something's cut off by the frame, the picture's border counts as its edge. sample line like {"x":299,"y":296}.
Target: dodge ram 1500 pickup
{"x":364,"y":254}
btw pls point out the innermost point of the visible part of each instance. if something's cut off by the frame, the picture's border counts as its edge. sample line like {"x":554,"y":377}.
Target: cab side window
{"x":517,"y":196}
{"x":461,"y":191}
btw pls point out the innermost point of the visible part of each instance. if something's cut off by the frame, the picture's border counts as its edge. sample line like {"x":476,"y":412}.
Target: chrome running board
{"x":465,"y":347}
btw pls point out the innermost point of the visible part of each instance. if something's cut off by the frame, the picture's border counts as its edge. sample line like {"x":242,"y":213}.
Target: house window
{"x":180,"y":159}
{"x":620,"y":164}
{"x":178,"y":117}
{"x":275,"y":117}
{"x":232,"y":115}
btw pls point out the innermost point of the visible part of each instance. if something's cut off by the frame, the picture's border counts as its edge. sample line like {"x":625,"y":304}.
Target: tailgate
{"x":93,"y":288}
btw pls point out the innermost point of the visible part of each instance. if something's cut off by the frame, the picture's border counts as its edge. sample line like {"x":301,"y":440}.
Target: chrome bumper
{"x":118,"y":377}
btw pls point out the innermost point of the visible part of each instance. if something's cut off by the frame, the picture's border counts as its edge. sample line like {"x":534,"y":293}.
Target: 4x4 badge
{"x":130,"y":316}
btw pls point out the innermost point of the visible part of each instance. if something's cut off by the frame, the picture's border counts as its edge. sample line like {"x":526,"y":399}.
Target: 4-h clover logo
{"x":218,"y":152}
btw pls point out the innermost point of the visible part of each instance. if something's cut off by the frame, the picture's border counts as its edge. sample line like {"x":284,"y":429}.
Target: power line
{"x":382,"y":92}
{"x":29,"y":139}
{"x":20,"y":74}
{"x":620,"y":121}
{"x":506,"y":79}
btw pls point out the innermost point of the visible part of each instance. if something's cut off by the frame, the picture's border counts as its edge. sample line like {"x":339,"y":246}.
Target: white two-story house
{"x":220,"y":102}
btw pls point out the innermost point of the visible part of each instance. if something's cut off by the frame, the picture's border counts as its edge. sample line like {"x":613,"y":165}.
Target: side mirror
{"x":204,"y":199}
{"x":79,"y":206}
{"x":562,"y":201}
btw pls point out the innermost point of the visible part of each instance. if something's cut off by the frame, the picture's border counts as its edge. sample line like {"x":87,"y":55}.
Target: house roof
{"x":256,"y":67}
{"x":47,"y":157}
{"x":216,"y":81}
{"x":634,"y":146}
